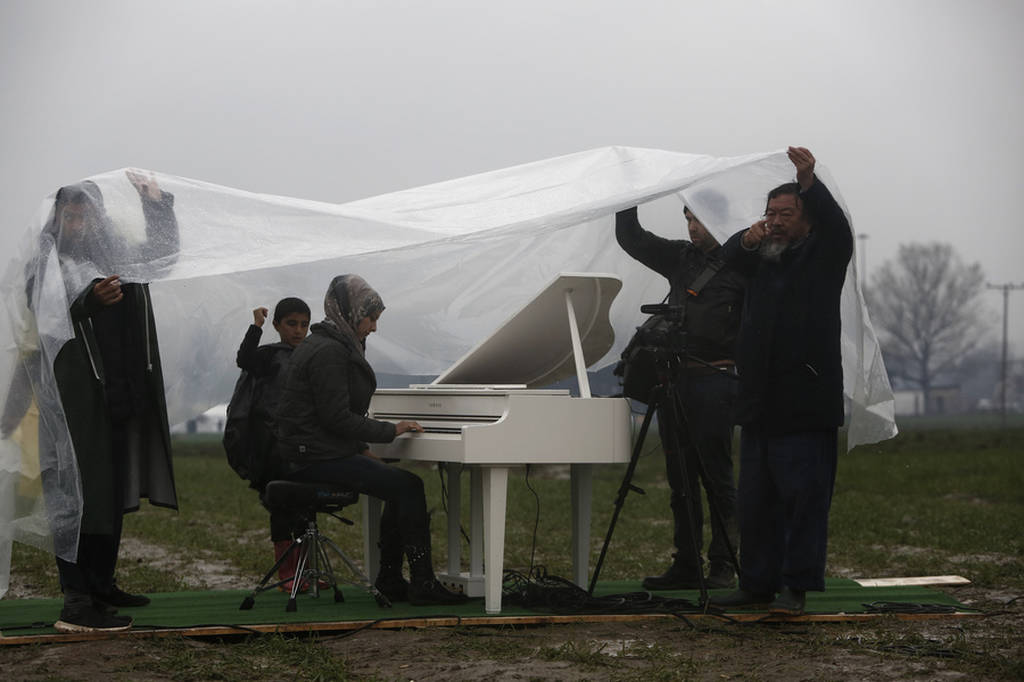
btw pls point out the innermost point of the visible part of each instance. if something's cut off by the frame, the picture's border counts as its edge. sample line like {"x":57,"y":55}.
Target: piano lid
{"x":534,"y":347}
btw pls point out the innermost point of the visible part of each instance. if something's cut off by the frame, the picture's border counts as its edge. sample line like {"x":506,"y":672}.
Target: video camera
{"x":660,"y":339}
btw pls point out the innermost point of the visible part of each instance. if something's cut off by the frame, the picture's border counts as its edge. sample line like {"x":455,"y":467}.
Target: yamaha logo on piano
{"x":435,"y":403}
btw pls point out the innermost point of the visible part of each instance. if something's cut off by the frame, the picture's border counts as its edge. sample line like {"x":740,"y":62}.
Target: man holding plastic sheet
{"x":111,"y":389}
{"x":791,"y":389}
{"x":698,"y":445}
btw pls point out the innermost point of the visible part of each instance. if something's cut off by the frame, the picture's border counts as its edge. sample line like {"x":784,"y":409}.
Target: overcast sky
{"x":916,"y":107}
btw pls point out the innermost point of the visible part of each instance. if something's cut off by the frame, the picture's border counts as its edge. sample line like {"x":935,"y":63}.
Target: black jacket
{"x":789,"y":358}
{"x":110,"y":376}
{"x":267,"y":363}
{"x":712,"y":318}
{"x":250,"y":437}
{"x":326,"y":393}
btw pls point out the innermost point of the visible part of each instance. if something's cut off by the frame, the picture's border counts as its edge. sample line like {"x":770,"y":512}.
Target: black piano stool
{"x":314,"y":567}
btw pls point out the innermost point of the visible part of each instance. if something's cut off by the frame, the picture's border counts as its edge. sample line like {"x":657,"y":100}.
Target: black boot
{"x":789,"y":602}
{"x":675,"y":578}
{"x":741,"y":599}
{"x":680,"y":575}
{"x":81,"y":615}
{"x":424,"y":588}
{"x":391,"y":583}
{"x":389,"y":580}
{"x":720,"y":576}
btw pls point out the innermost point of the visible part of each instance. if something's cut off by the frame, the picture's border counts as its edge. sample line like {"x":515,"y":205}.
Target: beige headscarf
{"x":349,"y":299}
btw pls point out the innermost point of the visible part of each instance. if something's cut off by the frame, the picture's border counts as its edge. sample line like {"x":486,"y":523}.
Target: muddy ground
{"x":978,"y":648}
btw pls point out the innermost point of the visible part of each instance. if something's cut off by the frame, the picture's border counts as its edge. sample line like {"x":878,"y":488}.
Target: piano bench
{"x":313,"y":568}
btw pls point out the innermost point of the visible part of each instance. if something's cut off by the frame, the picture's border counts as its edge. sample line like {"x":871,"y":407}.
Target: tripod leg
{"x":324,"y":572}
{"x":300,"y":570}
{"x":364,"y":579}
{"x":262,"y":586}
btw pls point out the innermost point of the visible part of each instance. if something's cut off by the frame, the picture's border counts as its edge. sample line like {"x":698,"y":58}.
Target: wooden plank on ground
{"x":917,"y":581}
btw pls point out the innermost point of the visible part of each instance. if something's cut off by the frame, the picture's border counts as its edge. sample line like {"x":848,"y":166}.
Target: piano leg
{"x":371,"y":508}
{"x":471,"y":583}
{"x":495,"y":484}
{"x":581,"y":478}
{"x":454,"y":475}
{"x":476,"y":523}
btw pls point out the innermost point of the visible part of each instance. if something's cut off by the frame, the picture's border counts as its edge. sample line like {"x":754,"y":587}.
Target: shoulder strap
{"x":712,"y":268}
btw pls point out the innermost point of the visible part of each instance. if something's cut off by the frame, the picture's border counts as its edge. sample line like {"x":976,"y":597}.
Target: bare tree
{"x":926,"y":305}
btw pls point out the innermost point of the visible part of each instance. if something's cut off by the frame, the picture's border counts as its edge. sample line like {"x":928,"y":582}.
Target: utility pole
{"x":1006,"y":289}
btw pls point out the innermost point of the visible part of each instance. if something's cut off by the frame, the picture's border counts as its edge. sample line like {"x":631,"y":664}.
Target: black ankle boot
{"x":391,"y":583}
{"x":424,"y":589}
{"x":389,"y":580}
{"x":720,"y":576}
{"x":421,"y":565}
{"x":789,"y":602}
{"x":430,"y":592}
{"x":675,"y":578}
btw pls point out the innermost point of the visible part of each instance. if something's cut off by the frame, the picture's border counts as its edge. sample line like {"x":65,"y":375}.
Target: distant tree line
{"x":933,"y":325}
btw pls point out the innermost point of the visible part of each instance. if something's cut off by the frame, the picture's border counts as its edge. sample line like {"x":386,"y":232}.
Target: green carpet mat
{"x":21,"y":617}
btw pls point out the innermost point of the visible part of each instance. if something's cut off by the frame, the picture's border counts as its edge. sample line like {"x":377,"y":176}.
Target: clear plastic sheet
{"x":451,"y":260}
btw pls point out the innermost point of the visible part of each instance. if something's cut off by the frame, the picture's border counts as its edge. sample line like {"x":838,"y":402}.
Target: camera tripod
{"x":666,"y":394}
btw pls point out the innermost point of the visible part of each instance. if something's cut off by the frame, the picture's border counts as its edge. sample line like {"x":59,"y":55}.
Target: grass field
{"x":929,"y":502}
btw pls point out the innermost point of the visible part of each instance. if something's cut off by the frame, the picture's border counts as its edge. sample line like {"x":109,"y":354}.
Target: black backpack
{"x":249,"y":436}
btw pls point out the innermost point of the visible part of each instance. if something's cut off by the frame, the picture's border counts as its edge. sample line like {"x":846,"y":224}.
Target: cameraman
{"x":710,"y":295}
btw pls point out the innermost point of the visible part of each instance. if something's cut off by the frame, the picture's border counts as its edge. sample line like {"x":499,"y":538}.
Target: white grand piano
{"x":486,"y":414}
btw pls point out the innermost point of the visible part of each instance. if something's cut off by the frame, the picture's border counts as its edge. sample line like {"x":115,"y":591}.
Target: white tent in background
{"x":451,"y":260}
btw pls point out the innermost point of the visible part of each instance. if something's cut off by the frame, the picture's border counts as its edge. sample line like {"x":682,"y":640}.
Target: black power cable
{"x":539,"y":590}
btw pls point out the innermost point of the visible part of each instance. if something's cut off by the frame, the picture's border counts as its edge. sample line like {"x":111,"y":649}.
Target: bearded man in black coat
{"x":791,"y":389}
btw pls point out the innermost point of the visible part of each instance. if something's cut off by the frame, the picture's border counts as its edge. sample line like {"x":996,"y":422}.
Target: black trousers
{"x":94,"y":567}
{"x":704,"y":437}
{"x":786,"y":484}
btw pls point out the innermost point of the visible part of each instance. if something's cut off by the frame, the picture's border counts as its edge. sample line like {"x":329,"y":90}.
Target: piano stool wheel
{"x":382,"y":601}
{"x":291,"y":607}
{"x":247,"y":603}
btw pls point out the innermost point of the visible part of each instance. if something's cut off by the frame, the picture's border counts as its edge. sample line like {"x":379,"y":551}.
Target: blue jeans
{"x":704,"y":437}
{"x":785,"y":493}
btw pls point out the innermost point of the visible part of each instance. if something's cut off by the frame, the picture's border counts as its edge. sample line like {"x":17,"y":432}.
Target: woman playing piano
{"x":324,"y":436}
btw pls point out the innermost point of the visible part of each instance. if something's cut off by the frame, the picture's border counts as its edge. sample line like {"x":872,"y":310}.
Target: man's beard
{"x":772,"y":250}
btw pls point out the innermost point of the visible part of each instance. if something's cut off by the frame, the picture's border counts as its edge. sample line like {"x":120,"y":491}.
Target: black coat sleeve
{"x":829,"y":221}
{"x":85,"y":303}
{"x":743,"y":260}
{"x":248,"y":358}
{"x":163,"y":239}
{"x":657,"y":253}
